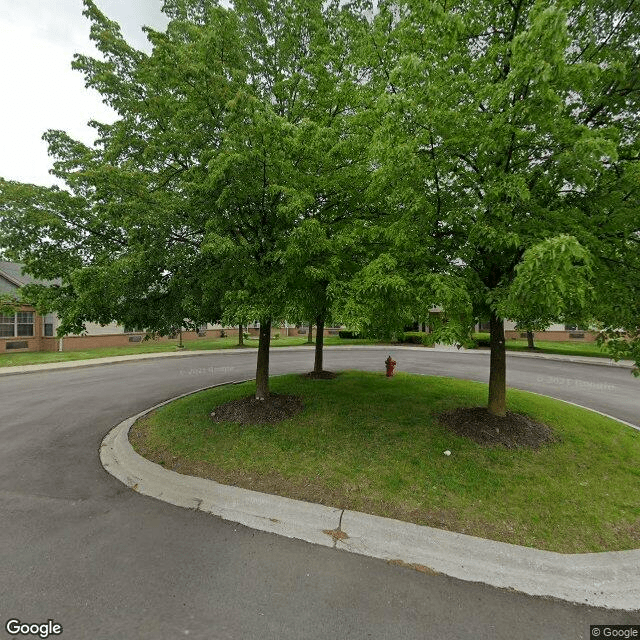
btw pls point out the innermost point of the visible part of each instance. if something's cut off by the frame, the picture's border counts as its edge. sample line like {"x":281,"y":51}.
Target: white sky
{"x":38,"y":88}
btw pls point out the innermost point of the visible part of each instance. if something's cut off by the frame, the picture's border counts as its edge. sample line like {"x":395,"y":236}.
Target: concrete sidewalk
{"x":610,"y":580}
{"x":95,"y":362}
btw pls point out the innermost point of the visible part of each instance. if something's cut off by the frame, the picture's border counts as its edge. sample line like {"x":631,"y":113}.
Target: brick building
{"x":554,"y":332}
{"x":26,"y":330}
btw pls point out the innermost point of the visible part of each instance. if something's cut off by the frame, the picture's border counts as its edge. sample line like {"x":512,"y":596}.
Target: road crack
{"x":338,"y":533}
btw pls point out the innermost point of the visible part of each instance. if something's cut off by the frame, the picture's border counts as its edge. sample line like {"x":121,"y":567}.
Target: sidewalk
{"x":610,"y":579}
{"x":95,"y":362}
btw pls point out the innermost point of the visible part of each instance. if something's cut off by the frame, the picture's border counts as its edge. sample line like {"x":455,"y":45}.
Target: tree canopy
{"x":222,"y":148}
{"x":283,"y":157}
{"x":507,"y":149}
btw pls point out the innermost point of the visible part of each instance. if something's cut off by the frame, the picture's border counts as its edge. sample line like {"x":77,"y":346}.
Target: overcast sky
{"x":39,"y":90}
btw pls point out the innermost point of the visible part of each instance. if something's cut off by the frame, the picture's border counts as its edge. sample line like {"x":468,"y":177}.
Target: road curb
{"x":609,"y":579}
{"x":97,"y":362}
{"x":275,"y":514}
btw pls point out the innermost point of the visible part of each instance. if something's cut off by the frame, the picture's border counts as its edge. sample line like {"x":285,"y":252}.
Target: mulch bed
{"x":271,"y":410}
{"x":513,"y":431}
{"x":320,"y":375}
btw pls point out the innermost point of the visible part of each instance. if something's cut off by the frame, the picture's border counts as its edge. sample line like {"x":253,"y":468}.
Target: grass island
{"x":379,"y":445}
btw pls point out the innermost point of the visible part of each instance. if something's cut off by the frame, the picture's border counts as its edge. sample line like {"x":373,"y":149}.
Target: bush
{"x":349,"y":335}
{"x":414,"y":337}
{"x":223,"y":333}
{"x":276,"y":336}
{"x":428,"y":339}
{"x":479,"y":340}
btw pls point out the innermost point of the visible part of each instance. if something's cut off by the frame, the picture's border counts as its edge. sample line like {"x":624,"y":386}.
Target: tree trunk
{"x":530,"y":340}
{"x":310,"y":336}
{"x":497,"y":368}
{"x":317,"y":366}
{"x":240,"y":336}
{"x":262,"y":370}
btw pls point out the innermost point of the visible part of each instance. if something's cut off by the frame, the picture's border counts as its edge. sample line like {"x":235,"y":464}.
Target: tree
{"x":187,"y":202}
{"x":502,"y":127}
{"x":322,"y":256}
{"x":8,"y":304}
{"x":273,"y":170}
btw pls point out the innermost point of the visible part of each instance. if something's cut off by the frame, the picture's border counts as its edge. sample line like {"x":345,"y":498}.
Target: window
{"x":25,"y":323}
{"x":22,"y":325}
{"x":48,"y":323}
{"x":7,"y":326}
{"x":573,"y":327}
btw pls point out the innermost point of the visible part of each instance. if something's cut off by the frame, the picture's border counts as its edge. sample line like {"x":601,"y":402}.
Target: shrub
{"x":428,"y":339}
{"x":223,"y":333}
{"x":413,"y":337}
{"x":276,"y":336}
{"x":349,"y":335}
{"x":479,"y":340}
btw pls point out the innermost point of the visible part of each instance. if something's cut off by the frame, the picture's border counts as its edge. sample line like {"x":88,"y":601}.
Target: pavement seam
{"x":608,"y":579}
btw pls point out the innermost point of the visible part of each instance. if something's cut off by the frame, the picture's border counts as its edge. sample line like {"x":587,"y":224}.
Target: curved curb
{"x":609,"y":579}
{"x":581,"y":406}
{"x":97,"y":362}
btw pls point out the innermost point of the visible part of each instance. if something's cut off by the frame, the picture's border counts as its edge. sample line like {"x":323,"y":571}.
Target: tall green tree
{"x":322,"y":259}
{"x":186,"y":203}
{"x":507,"y":147}
{"x":278,"y":166}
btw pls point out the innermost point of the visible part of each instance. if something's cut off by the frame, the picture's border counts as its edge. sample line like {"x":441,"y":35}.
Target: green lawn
{"x":566,"y":348}
{"x":152,"y":346}
{"x":563,"y":348}
{"x":372,"y":444}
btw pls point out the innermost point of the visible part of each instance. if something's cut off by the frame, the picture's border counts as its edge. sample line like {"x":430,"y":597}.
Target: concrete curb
{"x":96,"y":362}
{"x":581,"y":406}
{"x":275,"y":514}
{"x":610,"y":580}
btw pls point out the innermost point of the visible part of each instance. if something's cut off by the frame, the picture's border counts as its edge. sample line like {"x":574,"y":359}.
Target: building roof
{"x":12,"y":278}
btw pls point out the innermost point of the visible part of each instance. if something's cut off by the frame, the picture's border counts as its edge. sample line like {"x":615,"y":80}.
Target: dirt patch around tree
{"x":320,"y":375}
{"x":513,"y":431}
{"x":248,"y":410}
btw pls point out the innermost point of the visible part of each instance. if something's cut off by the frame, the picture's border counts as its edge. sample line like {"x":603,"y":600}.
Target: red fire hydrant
{"x":391,"y":365}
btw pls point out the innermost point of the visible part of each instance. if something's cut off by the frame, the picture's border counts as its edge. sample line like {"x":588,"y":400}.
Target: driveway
{"x":105,"y":562}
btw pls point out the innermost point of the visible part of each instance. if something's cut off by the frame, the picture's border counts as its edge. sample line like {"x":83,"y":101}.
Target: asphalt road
{"x":78,"y":547}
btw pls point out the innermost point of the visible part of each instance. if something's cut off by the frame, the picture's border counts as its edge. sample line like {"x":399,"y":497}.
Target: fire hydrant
{"x":391,"y":365}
